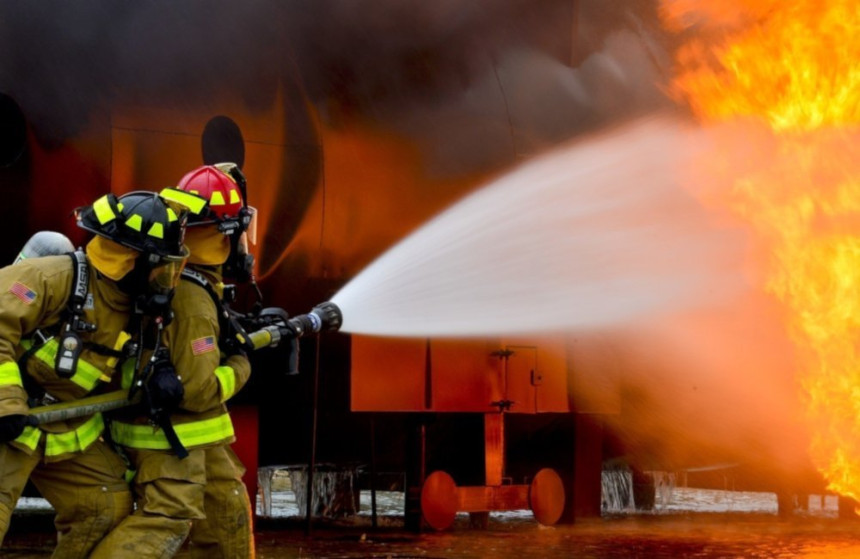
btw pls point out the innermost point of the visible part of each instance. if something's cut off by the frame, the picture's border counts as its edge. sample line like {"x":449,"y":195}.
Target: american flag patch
{"x":202,"y":345}
{"x":22,"y":292}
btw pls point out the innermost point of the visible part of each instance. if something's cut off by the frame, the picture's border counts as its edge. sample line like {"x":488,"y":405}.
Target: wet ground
{"x":686,"y":523}
{"x":699,"y":535}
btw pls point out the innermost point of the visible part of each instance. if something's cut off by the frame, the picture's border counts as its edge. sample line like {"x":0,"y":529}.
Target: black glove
{"x":164,"y":389}
{"x":11,"y":426}
{"x":229,"y":348}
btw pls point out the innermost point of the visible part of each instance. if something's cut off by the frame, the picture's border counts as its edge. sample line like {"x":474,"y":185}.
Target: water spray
{"x":597,"y":233}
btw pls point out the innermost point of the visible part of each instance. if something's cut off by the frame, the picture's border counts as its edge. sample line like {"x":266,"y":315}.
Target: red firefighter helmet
{"x":222,"y":187}
{"x":216,"y":194}
{"x":218,"y":185}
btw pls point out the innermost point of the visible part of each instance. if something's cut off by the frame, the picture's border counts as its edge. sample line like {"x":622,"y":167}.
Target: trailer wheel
{"x":546,"y":497}
{"x":439,"y":500}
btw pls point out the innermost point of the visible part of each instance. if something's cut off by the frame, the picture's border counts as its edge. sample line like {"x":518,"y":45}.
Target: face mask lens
{"x":164,"y":278}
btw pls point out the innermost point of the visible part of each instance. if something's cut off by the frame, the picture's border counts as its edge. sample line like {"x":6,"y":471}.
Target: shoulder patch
{"x":203,"y":345}
{"x":23,"y":292}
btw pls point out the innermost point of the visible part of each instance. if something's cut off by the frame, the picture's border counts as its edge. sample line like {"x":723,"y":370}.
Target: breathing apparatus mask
{"x":152,"y":282}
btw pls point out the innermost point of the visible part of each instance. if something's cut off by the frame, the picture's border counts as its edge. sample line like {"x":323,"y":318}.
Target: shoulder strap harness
{"x":225,"y":319}
{"x":70,"y":345}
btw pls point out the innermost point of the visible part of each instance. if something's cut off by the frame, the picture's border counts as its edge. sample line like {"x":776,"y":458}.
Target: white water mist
{"x":595,"y":233}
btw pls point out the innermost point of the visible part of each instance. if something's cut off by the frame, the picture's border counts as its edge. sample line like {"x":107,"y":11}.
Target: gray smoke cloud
{"x":386,"y":59}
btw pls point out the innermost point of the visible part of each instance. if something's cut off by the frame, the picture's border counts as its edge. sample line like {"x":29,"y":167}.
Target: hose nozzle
{"x":273,"y":325}
{"x":325,"y":317}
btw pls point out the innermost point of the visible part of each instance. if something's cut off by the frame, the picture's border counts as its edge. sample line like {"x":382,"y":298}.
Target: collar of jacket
{"x":105,"y":289}
{"x":212,"y":274}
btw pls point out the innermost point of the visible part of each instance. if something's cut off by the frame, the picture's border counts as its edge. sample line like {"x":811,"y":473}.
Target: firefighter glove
{"x":11,"y":426}
{"x":164,"y":387}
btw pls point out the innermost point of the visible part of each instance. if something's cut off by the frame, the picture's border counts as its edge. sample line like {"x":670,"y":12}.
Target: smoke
{"x":699,"y":387}
{"x":716,"y":384}
{"x":385,"y":60}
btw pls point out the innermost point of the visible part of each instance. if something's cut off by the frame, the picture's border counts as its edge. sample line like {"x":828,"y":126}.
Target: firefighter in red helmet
{"x":201,"y":495}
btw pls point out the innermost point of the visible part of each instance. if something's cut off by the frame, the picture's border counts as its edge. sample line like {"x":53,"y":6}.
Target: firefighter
{"x":65,"y":324}
{"x":202,"y":494}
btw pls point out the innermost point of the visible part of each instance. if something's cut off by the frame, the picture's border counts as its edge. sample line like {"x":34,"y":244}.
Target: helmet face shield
{"x":242,"y":252}
{"x":249,"y":227}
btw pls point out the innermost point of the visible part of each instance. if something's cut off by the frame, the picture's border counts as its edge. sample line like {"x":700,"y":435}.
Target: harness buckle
{"x":42,"y":337}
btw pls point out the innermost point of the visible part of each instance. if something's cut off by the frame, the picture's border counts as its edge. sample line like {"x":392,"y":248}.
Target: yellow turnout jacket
{"x":33,"y":295}
{"x":208,"y":378}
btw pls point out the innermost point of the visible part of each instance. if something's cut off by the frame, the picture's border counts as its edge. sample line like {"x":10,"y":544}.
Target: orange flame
{"x":793,"y":66}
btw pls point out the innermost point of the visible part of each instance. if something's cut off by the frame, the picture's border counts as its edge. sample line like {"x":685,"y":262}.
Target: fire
{"x":793,"y":64}
{"x":793,"y":67}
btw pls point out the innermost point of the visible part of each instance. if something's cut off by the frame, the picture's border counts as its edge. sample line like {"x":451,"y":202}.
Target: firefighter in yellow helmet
{"x":65,"y":323}
{"x":202,"y":494}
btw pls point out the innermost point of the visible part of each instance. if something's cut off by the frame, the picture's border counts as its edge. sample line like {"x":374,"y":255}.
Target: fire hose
{"x":325,"y":317}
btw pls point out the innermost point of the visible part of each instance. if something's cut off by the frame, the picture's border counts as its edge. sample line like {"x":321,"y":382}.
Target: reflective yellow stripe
{"x":227,"y":379}
{"x":77,"y":440}
{"x":127,"y":373}
{"x":9,"y":374}
{"x":29,"y":437}
{"x":117,"y":346}
{"x":171,"y":215}
{"x":194,"y":433}
{"x":135,"y":222}
{"x":190,"y":200}
{"x":104,"y":213}
{"x":86,"y":374}
{"x":157,"y":231}
{"x":216,"y":199}
{"x":234,"y":196}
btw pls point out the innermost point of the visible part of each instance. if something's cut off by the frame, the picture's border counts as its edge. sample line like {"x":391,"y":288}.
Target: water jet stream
{"x":595,"y":233}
